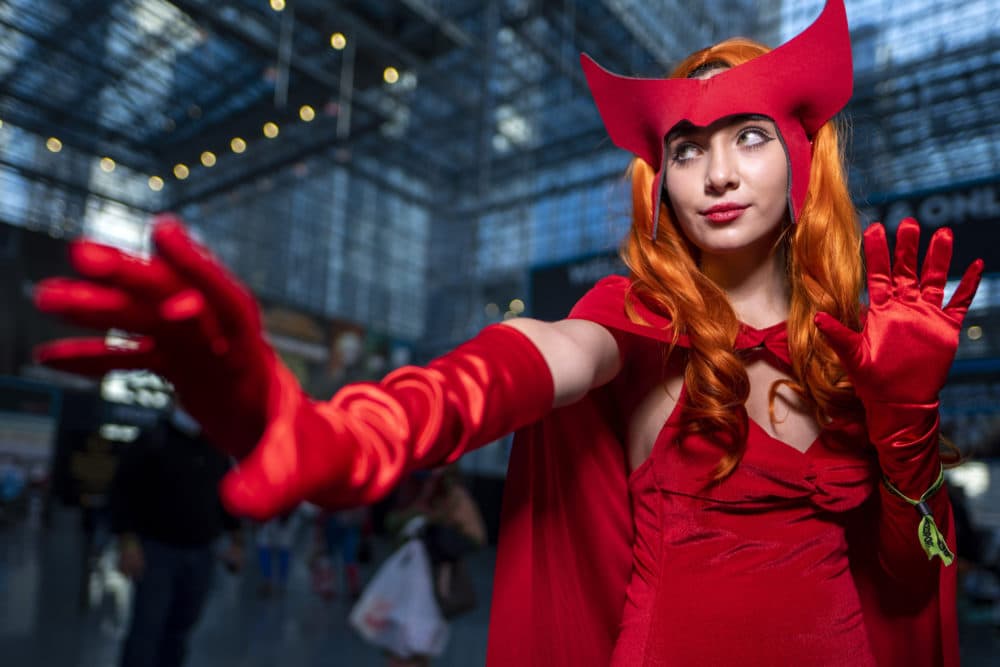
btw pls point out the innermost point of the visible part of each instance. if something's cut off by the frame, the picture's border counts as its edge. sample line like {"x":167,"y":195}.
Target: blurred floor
{"x":41,"y":622}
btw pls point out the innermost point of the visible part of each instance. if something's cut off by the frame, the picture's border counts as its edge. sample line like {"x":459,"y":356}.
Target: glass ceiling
{"x":483,"y":155}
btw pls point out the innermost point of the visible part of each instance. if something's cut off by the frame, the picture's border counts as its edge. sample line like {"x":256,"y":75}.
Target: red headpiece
{"x":799,"y":85}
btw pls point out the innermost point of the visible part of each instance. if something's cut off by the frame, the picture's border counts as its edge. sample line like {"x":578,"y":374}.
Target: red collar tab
{"x":800,"y":85}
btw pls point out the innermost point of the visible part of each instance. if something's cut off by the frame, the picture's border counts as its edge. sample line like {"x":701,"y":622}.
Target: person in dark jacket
{"x":167,"y":515}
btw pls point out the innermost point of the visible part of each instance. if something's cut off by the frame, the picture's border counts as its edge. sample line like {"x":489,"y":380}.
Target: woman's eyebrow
{"x":684,"y":132}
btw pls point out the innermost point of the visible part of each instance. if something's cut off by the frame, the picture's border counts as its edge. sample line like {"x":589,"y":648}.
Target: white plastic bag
{"x":397,"y":610}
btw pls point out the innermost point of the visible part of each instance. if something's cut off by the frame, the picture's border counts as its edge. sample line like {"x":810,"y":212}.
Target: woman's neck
{"x":756,"y":284}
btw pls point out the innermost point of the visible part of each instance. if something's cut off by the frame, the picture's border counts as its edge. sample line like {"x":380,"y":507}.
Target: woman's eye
{"x":753,"y":136}
{"x":683,"y":152}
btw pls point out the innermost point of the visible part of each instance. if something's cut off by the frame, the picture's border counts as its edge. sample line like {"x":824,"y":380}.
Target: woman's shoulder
{"x":609,"y":291}
{"x":612,"y":303}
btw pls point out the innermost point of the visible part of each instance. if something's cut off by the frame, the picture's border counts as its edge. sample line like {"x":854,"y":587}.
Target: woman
{"x":696,"y":477}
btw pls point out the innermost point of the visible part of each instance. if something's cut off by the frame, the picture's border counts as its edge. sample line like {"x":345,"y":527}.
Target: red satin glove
{"x":201,"y":330}
{"x":352,"y":449}
{"x":900,"y":360}
{"x":898,"y":363}
{"x":197,"y":326}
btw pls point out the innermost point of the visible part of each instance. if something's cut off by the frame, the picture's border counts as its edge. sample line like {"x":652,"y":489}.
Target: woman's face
{"x":728,"y":184}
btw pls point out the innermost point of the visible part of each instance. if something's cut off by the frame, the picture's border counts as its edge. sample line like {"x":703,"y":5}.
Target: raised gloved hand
{"x":900,"y":360}
{"x":905,"y":350}
{"x":200,"y":329}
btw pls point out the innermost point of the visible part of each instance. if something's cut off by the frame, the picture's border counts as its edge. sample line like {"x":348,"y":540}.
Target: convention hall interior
{"x":388,"y":178}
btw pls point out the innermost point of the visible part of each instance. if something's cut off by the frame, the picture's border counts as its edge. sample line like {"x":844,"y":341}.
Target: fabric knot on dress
{"x":773,"y":339}
{"x":842,"y":484}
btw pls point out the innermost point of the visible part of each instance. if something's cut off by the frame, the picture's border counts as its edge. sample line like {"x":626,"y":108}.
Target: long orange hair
{"x":824,"y":269}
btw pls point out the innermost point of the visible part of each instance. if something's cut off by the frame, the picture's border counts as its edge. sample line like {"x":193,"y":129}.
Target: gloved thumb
{"x":273,"y":477}
{"x":846,"y":343}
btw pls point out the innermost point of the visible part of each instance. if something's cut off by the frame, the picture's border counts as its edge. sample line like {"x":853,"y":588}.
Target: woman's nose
{"x":721,"y":173}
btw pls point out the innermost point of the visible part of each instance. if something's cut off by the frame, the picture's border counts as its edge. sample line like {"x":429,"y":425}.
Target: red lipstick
{"x":725,"y":212}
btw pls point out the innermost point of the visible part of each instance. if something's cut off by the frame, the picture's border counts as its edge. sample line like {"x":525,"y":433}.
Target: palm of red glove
{"x":907,"y":344}
{"x":198,"y":327}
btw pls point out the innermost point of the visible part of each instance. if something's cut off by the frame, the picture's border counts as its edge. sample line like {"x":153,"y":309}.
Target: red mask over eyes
{"x":799,"y":85}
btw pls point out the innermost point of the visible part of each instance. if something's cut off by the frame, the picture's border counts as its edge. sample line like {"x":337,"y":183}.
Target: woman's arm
{"x":202,"y":330}
{"x":581,"y":355}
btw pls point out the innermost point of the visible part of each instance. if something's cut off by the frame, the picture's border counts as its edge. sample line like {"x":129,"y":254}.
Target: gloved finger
{"x":934,"y":273}
{"x":960,"y":301}
{"x":93,"y":306}
{"x":95,"y":357}
{"x":845,"y":342}
{"x":877,"y":265}
{"x":904,"y":267}
{"x":151,"y":278}
{"x":232,"y":304}
{"x":190,"y":326}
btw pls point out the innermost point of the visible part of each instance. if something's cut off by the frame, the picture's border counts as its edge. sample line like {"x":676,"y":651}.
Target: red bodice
{"x":658,"y":568}
{"x":752,"y":570}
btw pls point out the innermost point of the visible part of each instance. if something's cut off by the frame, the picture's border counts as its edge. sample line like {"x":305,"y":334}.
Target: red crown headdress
{"x":800,"y":85}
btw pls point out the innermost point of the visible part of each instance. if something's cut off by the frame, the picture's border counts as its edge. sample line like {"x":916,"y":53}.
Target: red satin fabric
{"x":799,"y":85}
{"x":195,"y":325}
{"x":755,"y":566}
{"x":354,"y":448}
{"x":199,"y":327}
{"x":900,"y":359}
{"x":580,"y":566}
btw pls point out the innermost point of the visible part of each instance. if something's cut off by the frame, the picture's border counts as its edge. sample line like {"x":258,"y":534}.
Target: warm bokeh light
{"x":181,"y":171}
{"x":390,"y":75}
{"x":277,"y":5}
{"x":492,"y":310}
{"x":975,"y":332}
{"x":53,"y":144}
{"x":509,"y":315}
{"x":208,"y":158}
{"x":107,"y":165}
{"x":238,"y":145}
{"x":516,"y":306}
{"x":338,"y":41}
{"x":307,"y":113}
{"x":155,"y":183}
{"x":270,"y":130}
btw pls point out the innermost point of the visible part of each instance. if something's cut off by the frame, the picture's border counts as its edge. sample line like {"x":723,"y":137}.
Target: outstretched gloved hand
{"x":196,"y":326}
{"x":201,"y":330}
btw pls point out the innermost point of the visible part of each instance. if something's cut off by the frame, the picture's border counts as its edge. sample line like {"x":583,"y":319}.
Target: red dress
{"x":752,"y":570}
{"x":778,"y":565}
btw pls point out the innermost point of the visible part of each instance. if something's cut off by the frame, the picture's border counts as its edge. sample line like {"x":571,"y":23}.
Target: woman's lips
{"x":724,"y":214}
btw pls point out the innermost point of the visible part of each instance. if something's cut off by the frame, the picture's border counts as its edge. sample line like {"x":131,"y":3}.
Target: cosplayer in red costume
{"x":720,"y":459}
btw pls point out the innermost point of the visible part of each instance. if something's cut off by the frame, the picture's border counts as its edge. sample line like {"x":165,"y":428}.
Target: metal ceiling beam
{"x":408,"y":58}
{"x":53,"y":116}
{"x":654,"y":41}
{"x":309,"y":71}
{"x":553,"y":154}
{"x":204,"y":12}
{"x":85,"y":12}
{"x":36,"y":175}
{"x":87,"y":137}
{"x":325,"y":150}
{"x":446,"y":26}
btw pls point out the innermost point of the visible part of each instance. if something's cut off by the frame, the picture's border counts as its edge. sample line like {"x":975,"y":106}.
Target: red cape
{"x":565,"y":548}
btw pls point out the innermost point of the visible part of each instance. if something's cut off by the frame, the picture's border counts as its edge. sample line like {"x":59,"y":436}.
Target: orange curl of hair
{"x":824,"y":271}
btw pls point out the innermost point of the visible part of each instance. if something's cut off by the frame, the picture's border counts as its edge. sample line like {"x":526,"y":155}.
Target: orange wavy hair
{"x":824,"y":270}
